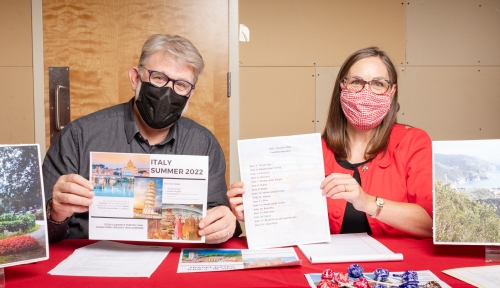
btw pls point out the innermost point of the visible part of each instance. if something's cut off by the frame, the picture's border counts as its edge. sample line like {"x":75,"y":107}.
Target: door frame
{"x":38,"y":81}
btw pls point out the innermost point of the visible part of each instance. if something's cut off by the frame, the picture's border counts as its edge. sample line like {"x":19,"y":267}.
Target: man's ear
{"x":134,"y":76}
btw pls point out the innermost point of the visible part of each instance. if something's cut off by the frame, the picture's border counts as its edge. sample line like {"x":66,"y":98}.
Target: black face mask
{"x":159,"y":106}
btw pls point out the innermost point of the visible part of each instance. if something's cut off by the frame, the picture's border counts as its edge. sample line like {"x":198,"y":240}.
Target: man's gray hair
{"x":179,"y":48}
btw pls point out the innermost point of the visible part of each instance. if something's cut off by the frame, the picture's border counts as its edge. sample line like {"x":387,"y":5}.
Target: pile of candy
{"x":355,"y":278}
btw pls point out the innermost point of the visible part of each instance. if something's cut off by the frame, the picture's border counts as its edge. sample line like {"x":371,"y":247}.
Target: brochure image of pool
{"x":210,"y":260}
{"x":148,"y":197}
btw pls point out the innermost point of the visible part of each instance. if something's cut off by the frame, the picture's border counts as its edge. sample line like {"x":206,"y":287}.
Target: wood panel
{"x":319,"y":32}
{"x":276,"y":101}
{"x":452,"y":103}
{"x":453,"y":32}
{"x":16,"y":111}
{"x":16,"y":73}
{"x":325,"y":82}
{"x":101,"y":40}
{"x":15,"y":33}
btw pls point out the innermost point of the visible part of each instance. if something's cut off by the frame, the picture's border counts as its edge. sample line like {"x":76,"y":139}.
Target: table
{"x":418,"y":255}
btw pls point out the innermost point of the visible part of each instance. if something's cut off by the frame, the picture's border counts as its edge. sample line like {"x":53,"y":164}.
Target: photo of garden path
{"x":22,"y":218}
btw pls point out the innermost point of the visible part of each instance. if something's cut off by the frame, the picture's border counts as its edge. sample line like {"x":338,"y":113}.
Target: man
{"x":151,"y":123}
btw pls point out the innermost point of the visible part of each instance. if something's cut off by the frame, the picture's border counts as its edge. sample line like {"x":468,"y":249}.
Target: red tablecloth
{"x":418,"y":255}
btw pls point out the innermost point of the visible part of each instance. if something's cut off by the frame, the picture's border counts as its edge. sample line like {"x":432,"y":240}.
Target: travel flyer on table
{"x":148,"y":197}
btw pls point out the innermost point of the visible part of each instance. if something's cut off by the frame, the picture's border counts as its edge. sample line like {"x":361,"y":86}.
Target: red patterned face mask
{"x":365,"y":109}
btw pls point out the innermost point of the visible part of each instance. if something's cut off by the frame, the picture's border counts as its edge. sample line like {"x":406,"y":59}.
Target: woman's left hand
{"x":344,"y":186}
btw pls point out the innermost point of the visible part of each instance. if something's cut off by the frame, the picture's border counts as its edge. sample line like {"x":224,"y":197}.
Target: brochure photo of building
{"x":23,"y":230}
{"x":467,"y":192}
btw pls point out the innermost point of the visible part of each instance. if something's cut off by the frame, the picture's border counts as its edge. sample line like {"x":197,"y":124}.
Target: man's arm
{"x":66,"y":191}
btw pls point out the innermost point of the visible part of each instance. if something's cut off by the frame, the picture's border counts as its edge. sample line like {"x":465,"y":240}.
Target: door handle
{"x":58,"y":112}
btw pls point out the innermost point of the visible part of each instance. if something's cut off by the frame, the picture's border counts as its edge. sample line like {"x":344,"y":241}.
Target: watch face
{"x":380,"y":201}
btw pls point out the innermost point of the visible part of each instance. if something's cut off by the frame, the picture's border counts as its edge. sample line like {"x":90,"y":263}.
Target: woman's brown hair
{"x":335,"y":133}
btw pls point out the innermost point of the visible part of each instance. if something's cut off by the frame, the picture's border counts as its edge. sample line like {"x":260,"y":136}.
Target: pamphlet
{"x":356,"y":247}
{"x":210,"y":260}
{"x":148,"y":197}
{"x":424,"y":277}
{"x":283,"y":202}
{"x":482,"y":276}
{"x":112,"y":259}
{"x":23,"y":227}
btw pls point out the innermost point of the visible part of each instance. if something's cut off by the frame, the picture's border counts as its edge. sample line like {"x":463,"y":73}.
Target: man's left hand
{"x":218,"y":226}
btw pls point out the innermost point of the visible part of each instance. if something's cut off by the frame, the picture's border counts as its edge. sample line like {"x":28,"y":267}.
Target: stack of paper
{"x":111,"y":259}
{"x":358,"y":247}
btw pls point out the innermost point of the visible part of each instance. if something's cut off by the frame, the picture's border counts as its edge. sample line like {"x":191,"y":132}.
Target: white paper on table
{"x":111,"y":259}
{"x":356,"y":247}
{"x":483,"y":276}
{"x":210,"y":260}
{"x":139,"y":197}
{"x":283,"y":202}
{"x":423,"y":277}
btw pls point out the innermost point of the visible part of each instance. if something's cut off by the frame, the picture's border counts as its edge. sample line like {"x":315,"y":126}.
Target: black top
{"x":114,"y":130}
{"x":354,"y":221}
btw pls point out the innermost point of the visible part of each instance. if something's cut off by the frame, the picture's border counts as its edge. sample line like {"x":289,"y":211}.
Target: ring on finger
{"x":227,"y":232}
{"x":345,"y":188}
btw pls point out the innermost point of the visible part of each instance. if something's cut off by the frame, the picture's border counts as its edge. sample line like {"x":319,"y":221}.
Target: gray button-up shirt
{"x":114,"y":130}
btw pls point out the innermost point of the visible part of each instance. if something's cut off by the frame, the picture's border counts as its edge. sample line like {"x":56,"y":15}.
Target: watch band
{"x":49,"y":207}
{"x":380,"y":204}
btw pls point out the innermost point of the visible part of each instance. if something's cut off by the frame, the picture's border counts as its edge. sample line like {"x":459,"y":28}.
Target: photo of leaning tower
{"x":149,"y":201}
{"x":147,"y":197}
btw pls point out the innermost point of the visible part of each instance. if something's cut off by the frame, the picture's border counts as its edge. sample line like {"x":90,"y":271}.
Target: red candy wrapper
{"x":326,"y":284}
{"x":361,"y":283}
{"x":340,"y":277}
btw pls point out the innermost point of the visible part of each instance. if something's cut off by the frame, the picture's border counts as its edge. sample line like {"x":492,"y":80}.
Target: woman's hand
{"x":409,"y":218}
{"x":234,"y":195}
{"x":344,"y":186}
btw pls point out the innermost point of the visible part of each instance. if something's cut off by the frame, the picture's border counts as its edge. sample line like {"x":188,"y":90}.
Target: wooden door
{"x":101,"y":40}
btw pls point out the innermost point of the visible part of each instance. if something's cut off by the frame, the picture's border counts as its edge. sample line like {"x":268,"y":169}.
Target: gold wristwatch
{"x":380,"y":204}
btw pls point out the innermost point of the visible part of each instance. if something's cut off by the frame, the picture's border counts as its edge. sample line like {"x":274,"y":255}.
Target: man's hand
{"x":71,"y":193}
{"x":218,"y":226}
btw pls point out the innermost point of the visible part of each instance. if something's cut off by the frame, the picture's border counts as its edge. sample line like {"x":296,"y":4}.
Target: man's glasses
{"x":356,"y":84}
{"x":159,"y":79}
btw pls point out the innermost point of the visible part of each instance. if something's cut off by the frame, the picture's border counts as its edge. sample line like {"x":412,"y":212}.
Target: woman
{"x":378,"y":173}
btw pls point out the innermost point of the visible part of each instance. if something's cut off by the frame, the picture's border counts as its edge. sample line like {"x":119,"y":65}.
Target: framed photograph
{"x":23,"y":229}
{"x":466,"y":192}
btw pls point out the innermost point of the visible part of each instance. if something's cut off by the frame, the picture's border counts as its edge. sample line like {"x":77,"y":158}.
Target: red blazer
{"x":403,"y":174}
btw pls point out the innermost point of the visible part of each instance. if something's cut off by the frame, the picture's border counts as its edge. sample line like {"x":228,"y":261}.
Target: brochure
{"x":356,"y":247}
{"x":210,"y":260}
{"x":148,"y":197}
{"x":283,"y":202}
{"x":482,"y":276}
{"x":112,"y":259}
{"x":424,"y":277}
{"x":23,"y":229}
